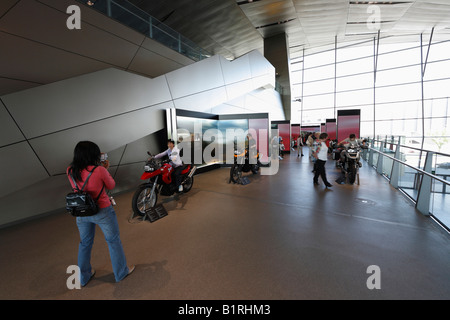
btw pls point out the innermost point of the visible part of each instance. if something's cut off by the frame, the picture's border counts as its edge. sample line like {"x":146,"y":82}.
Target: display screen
{"x":191,"y":134}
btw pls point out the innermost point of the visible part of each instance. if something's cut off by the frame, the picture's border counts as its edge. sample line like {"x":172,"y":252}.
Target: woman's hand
{"x":105,"y":164}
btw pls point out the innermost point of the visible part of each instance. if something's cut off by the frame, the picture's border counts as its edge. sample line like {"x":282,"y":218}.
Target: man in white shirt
{"x":321,"y":154}
{"x":175,"y":161}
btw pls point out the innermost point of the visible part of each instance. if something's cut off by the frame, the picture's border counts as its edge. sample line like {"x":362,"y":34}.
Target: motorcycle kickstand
{"x":151,"y":193}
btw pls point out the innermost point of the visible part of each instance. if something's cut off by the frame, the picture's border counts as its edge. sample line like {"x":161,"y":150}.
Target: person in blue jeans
{"x":87,"y":159}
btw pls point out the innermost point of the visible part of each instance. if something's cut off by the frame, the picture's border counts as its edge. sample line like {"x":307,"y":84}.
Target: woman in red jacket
{"x":86,"y":159}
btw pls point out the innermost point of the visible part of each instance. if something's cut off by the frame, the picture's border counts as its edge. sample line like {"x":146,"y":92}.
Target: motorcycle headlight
{"x":148,"y":168}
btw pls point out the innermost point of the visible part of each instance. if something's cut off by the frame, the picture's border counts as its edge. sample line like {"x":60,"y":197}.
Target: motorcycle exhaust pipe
{"x":191,"y":174}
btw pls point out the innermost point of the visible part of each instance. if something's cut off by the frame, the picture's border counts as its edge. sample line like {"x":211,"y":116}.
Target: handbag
{"x":79,"y":203}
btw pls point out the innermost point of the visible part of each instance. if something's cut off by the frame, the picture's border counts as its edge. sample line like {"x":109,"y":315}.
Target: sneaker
{"x":92,"y":275}
{"x":180,"y":188}
{"x":130,"y":270}
{"x":328,"y":185}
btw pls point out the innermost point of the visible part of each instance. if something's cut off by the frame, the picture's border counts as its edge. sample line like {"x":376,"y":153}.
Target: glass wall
{"x":402,"y":89}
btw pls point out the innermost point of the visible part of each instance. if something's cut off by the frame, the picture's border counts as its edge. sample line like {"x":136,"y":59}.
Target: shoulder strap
{"x":74,"y":182}
{"x":85,"y":182}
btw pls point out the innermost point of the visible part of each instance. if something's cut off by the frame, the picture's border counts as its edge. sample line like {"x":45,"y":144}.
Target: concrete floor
{"x":278,"y":237}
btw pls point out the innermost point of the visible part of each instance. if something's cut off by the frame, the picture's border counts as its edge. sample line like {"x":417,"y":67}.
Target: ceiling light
{"x":240,"y":3}
{"x":275,"y":23}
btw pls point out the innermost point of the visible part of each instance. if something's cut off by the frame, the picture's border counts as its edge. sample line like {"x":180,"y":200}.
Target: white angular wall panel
{"x":236,"y":70}
{"x":263,"y":81}
{"x":45,"y":196}
{"x":83,"y":99}
{"x":137,"y":150}
{"x":238,"y":89}
{"x":228,"y":109}
{"x":201,"y":76}
{"x":9,"y":132}
{"x":203,"y":101}
{"x":56,"y":150}
{"x":19,"y":168}
{"x":259,"y":65}
{"x":148,"y":62}
{"x":129,"y":177}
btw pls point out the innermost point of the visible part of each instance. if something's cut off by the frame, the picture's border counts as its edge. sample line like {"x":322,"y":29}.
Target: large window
{"x":401,"y":88}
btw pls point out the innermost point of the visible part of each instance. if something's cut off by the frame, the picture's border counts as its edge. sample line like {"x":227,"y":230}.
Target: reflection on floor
{"x":279,"y":237}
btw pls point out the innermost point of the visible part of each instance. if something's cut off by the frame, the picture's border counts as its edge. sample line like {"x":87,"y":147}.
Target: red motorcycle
{"x":160,"y":181}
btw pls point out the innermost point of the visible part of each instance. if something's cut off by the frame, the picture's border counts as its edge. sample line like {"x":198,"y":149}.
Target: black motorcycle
{"x":242,"y":164}
{"x":350,"y":162}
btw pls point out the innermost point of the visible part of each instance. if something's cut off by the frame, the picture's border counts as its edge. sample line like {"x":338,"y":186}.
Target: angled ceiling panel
{"x":94,"y":19}
{"x":32,"y":61}
{"x":21,"y":21}
{"x":8,"y":85}
{"x":6,"y":5}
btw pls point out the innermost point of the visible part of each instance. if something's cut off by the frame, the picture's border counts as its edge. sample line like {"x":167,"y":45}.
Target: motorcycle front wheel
{"x":187,"y":185}
{"x":142,"y":200}
{"x":352,"y":173}
{"x":235,"y":173}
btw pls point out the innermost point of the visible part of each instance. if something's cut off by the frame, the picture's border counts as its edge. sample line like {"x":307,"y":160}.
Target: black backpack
{"x":80,"y":203}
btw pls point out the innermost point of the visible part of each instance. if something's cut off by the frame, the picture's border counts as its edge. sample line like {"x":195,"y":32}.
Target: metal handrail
{"x":414,"y":148}
{"x":185,"y":42}
{"x":412,"y":167}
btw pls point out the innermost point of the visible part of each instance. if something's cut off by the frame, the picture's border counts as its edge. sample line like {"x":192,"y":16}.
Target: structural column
{"x":276,"y":51}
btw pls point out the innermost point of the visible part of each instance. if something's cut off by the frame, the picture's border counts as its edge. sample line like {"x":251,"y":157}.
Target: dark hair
{"x":352,"y":136}
{"x":323,"y":136}
{"x":171,"y":141}
{"x":86,"y":153}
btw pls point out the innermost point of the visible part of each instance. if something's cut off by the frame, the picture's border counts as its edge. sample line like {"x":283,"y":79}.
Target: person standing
{"x":321,"y":154}
{"x":86,"y":161}
{"x":299,"y":146}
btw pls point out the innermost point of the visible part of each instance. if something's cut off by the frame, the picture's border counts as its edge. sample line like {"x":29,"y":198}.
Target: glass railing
{"x":423,"y":175}
{"x":139,"y":20}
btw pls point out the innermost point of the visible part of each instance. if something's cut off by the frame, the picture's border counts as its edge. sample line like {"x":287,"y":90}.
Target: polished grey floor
{"x":278,"y":237}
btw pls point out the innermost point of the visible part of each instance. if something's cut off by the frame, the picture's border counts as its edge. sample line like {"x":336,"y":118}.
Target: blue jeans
{"x":107,"y":221}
